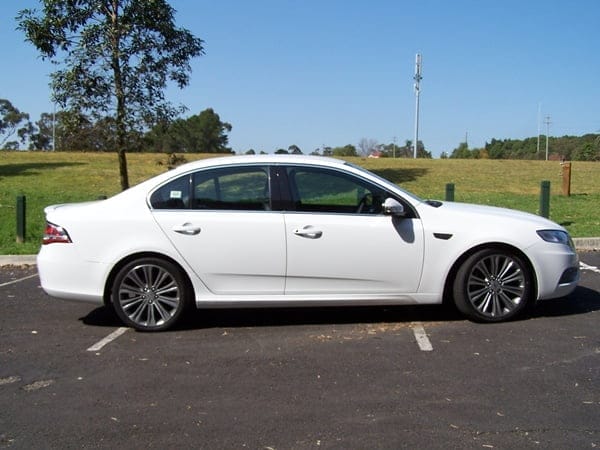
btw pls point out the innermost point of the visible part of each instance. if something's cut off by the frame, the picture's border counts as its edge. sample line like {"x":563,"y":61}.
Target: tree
{"x":461,"y":152}
{"x":203,"y":133}
{"x":13,"y":121}
{"x":346,"y":150}
{"x":41,"y":138}
{"x":200,"y":133}
{"x":116,"y":58}
{"x":294,"y":150}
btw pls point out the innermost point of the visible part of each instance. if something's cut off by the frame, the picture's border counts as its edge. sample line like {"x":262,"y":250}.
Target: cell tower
{"x":417,"y":79}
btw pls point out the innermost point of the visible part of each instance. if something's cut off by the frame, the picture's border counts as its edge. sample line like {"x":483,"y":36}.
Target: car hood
{"x":477,"y":224}
{"x":495,"y":213}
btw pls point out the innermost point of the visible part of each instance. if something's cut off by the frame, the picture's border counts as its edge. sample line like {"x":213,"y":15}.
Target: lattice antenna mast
{"x":417,"y":79}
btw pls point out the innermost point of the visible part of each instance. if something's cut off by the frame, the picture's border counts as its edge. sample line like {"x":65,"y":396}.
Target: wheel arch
{"x":447,"y":295}
{"x":126,"y":260}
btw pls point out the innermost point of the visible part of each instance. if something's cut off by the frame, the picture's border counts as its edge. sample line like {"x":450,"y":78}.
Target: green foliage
{"x":12,"y":121}
{"x":115,"y":60}
{"x":200,"y":133}
{"x":346,"y":150}
{"x":577,"y":148}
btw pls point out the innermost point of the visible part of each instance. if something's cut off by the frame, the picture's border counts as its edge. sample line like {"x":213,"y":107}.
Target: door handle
{"x":187,"y":229}
{"x":308,"y":232}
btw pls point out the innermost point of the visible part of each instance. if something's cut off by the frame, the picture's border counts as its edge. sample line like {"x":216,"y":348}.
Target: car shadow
{"x":276,"y":317}
{"x":583,"y":300}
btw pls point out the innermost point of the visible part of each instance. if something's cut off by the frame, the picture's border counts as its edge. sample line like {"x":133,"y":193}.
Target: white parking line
{"x":421,"y":337}
{"x":19,"y":280}
{"x":584,"y":266}
{"x":108,"y":339}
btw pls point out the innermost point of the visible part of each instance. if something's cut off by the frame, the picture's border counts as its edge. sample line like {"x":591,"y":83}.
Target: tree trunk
{"x":120,"y":96}
{"x":123,"y":168}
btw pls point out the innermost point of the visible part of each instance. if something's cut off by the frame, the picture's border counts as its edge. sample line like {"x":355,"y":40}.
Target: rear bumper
{"x":64,"y":275}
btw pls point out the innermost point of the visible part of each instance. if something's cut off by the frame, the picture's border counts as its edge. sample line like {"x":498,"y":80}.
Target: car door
{"x":340,"y":242}
{"x":220,"y":221}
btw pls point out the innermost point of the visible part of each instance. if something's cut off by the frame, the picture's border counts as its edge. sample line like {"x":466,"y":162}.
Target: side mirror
{"x":392,"y":207}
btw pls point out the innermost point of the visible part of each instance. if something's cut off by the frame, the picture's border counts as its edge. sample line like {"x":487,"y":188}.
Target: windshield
{"x":385,"y":181}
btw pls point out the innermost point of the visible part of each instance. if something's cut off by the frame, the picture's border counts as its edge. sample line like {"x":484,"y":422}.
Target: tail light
{"x":55,"y":234}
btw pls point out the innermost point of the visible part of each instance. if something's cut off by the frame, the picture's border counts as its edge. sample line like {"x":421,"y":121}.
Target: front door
{"x":340,"y":242}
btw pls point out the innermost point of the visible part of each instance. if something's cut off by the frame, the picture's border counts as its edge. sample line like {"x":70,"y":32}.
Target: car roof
{"x":224,"y":161}
{"x":261,"y":159}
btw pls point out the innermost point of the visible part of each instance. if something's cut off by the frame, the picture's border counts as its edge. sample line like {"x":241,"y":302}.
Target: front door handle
{"x":187,"y":229}
{"x":308,"y":232}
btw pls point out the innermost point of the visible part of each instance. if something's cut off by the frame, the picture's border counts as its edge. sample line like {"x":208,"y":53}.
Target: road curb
{"x":17,"y":260}
{"x":582,"y":244}
{"x":587,"y":243}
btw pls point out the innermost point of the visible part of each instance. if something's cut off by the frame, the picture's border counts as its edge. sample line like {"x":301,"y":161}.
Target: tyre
{"x":150,"y":294}
{"x":493,"y":285}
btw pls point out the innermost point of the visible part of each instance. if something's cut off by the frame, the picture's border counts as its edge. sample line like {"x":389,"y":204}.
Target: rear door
{"x":220,"y":221}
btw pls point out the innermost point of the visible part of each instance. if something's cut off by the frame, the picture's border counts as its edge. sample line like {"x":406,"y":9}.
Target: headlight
{"x":556,"y":237}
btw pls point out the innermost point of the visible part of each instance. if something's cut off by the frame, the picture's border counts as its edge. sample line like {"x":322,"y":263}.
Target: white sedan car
{"x":272,"y":231}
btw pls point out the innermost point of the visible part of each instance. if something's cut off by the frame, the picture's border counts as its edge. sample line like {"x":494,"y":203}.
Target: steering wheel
{"x":366,"y":199}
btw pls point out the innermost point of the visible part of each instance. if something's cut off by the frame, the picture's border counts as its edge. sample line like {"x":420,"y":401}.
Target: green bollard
{"x":20,"y":219}
{"x":545,"y":199}
{"x":450,"y":192}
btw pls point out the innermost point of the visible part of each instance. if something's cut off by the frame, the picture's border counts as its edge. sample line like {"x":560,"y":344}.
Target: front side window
{"x":324,"y":190}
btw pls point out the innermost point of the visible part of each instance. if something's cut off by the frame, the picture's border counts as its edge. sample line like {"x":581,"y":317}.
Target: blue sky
{"x":330,"y":72}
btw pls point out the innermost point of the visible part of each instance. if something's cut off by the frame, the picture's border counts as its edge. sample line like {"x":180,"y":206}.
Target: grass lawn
{"x":47,"y":178}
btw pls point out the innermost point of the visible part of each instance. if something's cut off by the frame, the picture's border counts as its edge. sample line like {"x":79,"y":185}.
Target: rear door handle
{"x":308,"y":232}
{"x":187,"y":229}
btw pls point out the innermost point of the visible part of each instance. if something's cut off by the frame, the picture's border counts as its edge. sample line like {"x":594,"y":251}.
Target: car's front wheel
{"x":150,"y":294}
{"x":493,"y":285}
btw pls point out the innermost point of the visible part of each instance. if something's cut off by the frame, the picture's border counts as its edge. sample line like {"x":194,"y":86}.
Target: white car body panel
{"x":242,"y":258}
{"x":386,"y":257}
{"x":235,"y":253}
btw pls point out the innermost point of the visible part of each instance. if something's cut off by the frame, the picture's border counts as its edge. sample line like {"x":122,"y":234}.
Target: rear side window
{"x":235,"y":188}
{"x":173,"y":195}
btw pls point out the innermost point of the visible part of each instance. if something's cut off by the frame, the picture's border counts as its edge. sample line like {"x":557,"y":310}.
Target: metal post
{"x":545,"y":199}
{"x":21,"y":219}
{"x":450,"y":192}
{"x":566,"y":179}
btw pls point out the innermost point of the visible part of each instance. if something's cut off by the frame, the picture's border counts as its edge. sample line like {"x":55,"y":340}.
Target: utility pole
{"x":394,"y":148}
{"x":547,"y":122}
{"x":539,"y":121}
{"x":417,"y":79}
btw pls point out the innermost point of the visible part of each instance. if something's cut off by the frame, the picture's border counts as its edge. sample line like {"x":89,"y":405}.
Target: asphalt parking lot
{"x":400,"y":377}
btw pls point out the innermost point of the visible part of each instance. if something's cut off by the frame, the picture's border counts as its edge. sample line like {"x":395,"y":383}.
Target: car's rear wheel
{"x":150,"y":294}
{"x":493,"y":285}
